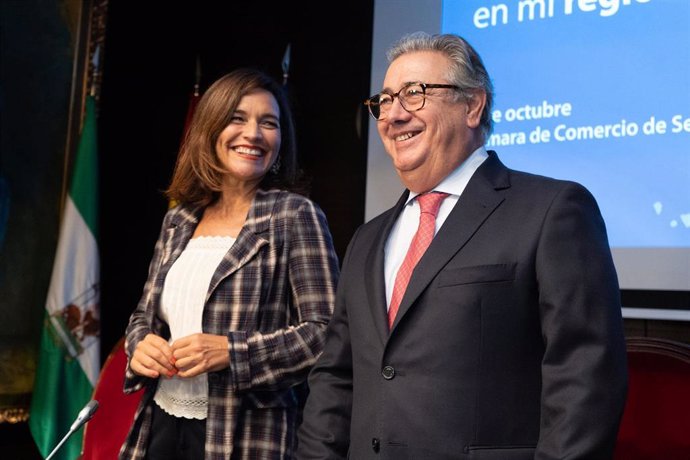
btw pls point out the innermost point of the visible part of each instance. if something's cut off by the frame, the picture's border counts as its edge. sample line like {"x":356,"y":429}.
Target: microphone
{"x":84,"y":416}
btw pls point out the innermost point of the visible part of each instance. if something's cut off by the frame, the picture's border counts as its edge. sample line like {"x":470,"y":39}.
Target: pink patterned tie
{"x":429,"y":204}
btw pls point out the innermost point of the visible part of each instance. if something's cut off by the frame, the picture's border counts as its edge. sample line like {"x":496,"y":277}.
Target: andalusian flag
{"x":69,"y":360}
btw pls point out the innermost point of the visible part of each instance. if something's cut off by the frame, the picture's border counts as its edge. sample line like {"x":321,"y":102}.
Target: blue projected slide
{"x":596,"y":91}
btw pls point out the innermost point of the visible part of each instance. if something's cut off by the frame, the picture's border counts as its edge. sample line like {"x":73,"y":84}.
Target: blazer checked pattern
{"x":272,"y":296}
{"x":508,"y":343}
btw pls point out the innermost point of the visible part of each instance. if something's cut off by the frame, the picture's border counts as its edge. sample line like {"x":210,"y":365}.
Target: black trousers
{"x":175,"y":438}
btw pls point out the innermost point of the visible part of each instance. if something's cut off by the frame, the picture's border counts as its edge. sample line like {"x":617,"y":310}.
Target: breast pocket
{"x":494,"y":273}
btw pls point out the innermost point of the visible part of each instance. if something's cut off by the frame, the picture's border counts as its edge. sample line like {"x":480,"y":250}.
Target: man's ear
{"x":476,"y":101}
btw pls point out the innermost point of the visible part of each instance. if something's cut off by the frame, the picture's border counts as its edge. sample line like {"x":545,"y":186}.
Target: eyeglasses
{"x":412,"y":97}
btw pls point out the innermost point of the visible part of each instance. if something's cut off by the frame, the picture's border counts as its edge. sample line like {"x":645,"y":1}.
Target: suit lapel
{"x":475,"y":205}
{"x":250,"y":239}
{"x":376,"y":284}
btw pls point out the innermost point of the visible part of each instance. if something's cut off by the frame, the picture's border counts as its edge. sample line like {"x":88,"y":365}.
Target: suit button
{"x":376,"y":445}
{"x":388,"y":372}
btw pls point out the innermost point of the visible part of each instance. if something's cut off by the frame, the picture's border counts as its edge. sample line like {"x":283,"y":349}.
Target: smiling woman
{"x":240,"y":288}
{"x":230,"y":115}
{"x":248,"y":147}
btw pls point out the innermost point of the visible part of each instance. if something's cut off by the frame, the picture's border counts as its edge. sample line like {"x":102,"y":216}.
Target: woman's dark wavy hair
{"x":198,"y":172}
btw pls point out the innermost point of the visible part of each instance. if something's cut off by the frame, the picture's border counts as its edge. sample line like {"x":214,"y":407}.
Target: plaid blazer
{"x":272,"y":295}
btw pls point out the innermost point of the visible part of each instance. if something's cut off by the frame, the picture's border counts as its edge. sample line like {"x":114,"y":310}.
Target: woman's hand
{"x":199,"y":353}
{"x":153,"y":357}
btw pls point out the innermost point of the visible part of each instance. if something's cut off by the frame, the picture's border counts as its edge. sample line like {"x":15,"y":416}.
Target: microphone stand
{"x":84,"y":416}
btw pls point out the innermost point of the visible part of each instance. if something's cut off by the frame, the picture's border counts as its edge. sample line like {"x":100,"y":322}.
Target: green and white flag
{"x":69,"y":361}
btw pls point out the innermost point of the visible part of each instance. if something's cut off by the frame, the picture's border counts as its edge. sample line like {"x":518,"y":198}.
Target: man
{"x":507,"y":341}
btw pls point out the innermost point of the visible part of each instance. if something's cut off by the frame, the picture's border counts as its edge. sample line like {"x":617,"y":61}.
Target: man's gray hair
{"x":466,"y":70}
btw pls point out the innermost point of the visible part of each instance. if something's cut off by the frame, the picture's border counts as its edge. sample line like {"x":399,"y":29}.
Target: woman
{"x":240,"y":288}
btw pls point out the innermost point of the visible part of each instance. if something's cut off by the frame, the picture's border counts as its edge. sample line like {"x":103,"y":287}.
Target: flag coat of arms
{"x":69,"y":361}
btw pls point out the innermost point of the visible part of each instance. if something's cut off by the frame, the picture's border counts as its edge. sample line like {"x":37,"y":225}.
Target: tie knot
{"x":430,"y":202}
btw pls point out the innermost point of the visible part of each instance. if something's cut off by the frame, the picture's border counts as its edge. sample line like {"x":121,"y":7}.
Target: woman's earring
{"x":276,"y":166}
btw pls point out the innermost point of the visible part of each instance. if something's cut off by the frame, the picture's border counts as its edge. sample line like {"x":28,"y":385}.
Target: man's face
{"x":428,"y":144}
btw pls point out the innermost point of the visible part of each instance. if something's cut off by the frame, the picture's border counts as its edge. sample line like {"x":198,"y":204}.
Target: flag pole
{"x":197,"y":81}
{"x":286,"y":65}
{"x":76,"y":60}
{"x":95,"y":62}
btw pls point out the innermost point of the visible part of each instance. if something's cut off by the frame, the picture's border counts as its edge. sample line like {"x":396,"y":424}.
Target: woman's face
{"x":249,"y":144}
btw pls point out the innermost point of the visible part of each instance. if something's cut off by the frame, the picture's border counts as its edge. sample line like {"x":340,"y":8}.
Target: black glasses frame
{"x":374,"y":106}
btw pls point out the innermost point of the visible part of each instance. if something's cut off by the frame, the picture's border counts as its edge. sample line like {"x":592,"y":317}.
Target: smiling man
{"x":479,"y":318}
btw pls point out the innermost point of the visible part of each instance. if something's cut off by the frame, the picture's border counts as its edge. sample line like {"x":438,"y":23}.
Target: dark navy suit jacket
{"x":508,"y":343}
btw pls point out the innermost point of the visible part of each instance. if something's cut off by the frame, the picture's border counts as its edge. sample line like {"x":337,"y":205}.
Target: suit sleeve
{"x":325,"y":430}
{"x":283,"y":358}
{"x":584,"y":376}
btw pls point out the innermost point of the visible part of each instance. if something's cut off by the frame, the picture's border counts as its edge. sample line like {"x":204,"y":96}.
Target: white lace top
{"x":182,"y":307}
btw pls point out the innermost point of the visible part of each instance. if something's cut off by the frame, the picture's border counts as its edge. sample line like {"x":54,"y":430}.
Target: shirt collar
{"x":456,"y":181}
